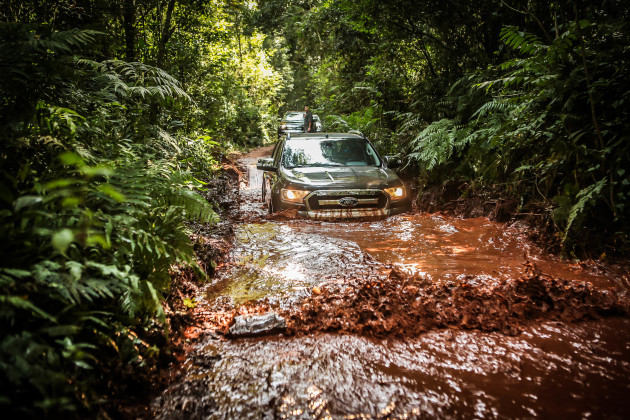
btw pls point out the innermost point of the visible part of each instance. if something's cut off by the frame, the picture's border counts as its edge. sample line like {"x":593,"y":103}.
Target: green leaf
{"x":97,"y":171}
{"x":17,"y":273}
{"x":82,"y":364}
{"x":523,"y":168}
{"x":71,"y":159}
{"x":61,"y":183}
{"x":97,"y":240}
{"x":62,"y":330}
{"x":585,"y":198}
{"x":26,"y":201}
{"x":112,"y":192}
{"x":24,"y":303}
{"x":70,"y":202}
{"x":61,"y":240}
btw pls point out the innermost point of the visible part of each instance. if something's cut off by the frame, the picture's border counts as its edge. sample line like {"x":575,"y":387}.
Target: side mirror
{"x":266,"y":164}
{"x":392,"y":161}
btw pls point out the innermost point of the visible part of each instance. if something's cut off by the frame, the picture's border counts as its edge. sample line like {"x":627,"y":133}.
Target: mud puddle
{"x":551,"y":370}
{"x":442,"y":247}
{"x":547,"y":369}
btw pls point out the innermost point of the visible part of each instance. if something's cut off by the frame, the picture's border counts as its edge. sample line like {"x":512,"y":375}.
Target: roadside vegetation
{"x":115,"y":115}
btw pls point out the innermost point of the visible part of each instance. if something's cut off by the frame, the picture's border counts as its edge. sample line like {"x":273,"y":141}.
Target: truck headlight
{"x":395,"y":193}
{"x":294,"y":196}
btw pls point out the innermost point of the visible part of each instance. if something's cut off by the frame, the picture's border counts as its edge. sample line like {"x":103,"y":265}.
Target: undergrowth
{"x":95,"y":197}
{"x":548,"y":124}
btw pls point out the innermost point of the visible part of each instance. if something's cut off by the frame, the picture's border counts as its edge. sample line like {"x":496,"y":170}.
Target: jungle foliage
{"x":113,"y":116}
{"x":115,"y":113}
{"x":528,"y":95}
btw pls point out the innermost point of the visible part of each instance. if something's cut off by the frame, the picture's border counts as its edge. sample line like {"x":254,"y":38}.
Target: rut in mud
{"x":418,"y":315}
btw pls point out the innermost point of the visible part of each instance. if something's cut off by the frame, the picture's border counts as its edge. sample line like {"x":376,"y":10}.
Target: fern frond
{"x":494,"y":106}
{"x":63,"y":42}
{"x":525,"y":42}
{"x":436,"y":144}
{"x":586,"y":198}
{"x":135,"y":80}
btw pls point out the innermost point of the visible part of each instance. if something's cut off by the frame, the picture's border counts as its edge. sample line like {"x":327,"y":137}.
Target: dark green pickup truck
{"x":331,"y":176}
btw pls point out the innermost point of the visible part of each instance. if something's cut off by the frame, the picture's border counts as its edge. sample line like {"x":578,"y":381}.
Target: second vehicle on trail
{"x":331,"y":176}
{"x":293,"y":122}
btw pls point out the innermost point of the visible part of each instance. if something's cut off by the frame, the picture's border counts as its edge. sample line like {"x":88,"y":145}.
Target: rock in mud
{"x":254,"y":325}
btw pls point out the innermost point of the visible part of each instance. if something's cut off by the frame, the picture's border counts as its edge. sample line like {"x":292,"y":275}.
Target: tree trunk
{"x":129,"y":22}
{"x":166,"y":34}
{"x":161,"y":54}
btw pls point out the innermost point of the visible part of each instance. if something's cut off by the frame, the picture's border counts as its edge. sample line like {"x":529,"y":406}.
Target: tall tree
{"x":167,"y":31}
{"x":129,"y":21}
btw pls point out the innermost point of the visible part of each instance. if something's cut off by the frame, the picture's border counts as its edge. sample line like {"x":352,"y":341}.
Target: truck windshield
{"x":295,"y":116}
{"x":329,"y":152}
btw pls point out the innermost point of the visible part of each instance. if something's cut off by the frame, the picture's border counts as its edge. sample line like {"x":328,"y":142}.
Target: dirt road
{"x":503,"y":340}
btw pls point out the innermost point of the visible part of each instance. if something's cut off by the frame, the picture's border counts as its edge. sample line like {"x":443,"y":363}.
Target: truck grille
{"x":346,"y":199}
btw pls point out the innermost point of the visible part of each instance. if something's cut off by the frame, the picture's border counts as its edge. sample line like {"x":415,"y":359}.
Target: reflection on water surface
{"x":551,"y":370}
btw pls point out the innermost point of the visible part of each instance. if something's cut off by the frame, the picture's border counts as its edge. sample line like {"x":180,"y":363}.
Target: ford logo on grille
{"x":348,"y":201}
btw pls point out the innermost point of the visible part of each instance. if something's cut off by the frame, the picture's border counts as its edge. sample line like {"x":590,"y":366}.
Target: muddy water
{"x":578,"y":370}
{"x":443,"y":247}
{"x":551,"y":370}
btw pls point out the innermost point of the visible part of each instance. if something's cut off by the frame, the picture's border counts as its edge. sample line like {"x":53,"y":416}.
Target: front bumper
{"x":344,"y":214}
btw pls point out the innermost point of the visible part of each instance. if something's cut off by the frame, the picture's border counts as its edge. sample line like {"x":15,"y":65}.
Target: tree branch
{"x":528,"y":12}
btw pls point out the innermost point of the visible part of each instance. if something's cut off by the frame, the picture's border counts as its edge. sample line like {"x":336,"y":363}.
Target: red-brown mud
{"x":188,"y":315}
{"x":411,"y":305}
{"x":476,"y":332}
{"x":461,"y":200}
{"x":288,"y":214}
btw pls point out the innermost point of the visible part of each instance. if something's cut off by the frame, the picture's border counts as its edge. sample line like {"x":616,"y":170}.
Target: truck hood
{"x":358,"y":177}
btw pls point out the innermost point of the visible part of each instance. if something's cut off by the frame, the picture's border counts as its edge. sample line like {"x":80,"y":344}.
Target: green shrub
{"x":94,"y":205}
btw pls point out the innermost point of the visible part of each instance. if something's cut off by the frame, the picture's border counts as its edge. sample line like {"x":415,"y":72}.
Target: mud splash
{"x":442,"y":248}
{"x":280,"y":263}
{"x":405,"y":306}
